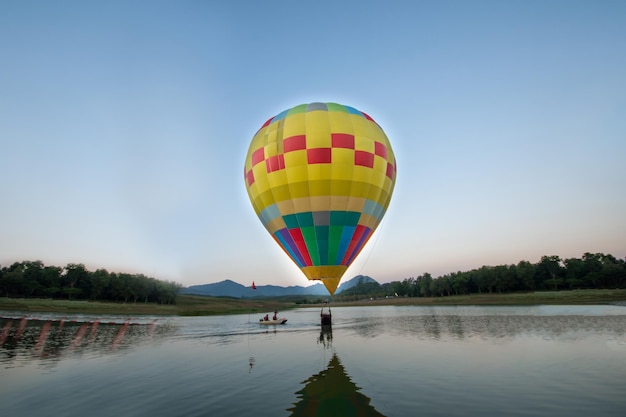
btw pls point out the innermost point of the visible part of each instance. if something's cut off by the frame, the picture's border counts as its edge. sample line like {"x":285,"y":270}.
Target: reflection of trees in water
{"x":369,"y":327}
{"x":455,"y":326}
{"x":332,"y":393}
{"x":24,"y":338}
{"x":499,"y":326}
{"x":545,"y":326}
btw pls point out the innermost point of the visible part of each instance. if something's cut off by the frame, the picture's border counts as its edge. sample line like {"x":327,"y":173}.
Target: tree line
{"x":551,"y":273}
{"x":73,"y":281}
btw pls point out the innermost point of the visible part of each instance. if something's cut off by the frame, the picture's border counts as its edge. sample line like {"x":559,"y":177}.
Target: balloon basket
{"x":326,"y":318}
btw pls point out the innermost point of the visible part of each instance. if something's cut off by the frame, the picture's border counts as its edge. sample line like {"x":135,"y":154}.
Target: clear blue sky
{"x":124,"y":127}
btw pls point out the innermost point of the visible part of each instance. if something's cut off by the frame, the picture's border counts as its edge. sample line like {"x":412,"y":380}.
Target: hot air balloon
{"x":320,"y":177}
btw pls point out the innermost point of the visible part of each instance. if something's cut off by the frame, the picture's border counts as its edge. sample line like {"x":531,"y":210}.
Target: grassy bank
{"x":573,"y":297}
{"x":189,"y":305}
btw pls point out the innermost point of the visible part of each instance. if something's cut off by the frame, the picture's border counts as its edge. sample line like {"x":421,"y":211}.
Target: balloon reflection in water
{"x":24,"y":337}
{"x":332,"y":393}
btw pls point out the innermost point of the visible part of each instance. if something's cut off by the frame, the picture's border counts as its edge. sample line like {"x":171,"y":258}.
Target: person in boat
{"x":266,"y":318}
{"x":275,"y":317}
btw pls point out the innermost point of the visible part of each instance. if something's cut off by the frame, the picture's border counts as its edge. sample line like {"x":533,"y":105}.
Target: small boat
{"x":281,"y":320}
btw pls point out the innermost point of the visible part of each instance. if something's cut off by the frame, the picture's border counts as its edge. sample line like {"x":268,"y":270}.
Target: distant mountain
{"x":230,"y":288}
{"x":359,"y":279}
{"x":226,"y":288}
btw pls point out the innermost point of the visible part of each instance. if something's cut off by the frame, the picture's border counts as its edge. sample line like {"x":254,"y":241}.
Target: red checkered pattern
{"x":320,"y":155}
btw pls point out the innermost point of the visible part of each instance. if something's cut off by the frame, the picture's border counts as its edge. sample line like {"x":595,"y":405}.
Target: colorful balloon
{"x":320,"y":177}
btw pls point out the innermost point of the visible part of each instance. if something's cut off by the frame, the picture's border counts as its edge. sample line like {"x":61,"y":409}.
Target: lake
{"x":374,"y":361}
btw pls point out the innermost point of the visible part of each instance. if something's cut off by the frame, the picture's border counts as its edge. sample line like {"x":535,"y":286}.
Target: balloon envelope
{"x":320,"y":177}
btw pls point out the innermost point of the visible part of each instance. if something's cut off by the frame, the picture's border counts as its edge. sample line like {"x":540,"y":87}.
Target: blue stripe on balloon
{"x":346,"y":237}
{"x":352,"y":110}
{"x":280,"y":116}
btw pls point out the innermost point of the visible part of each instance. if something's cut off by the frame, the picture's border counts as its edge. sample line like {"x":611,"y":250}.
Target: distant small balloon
{"x":320,"y":177}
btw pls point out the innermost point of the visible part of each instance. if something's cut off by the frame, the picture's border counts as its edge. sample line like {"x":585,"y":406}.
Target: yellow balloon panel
{"x":320,"y":177}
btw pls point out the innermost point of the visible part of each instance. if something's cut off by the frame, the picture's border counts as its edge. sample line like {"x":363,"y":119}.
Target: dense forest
{"x":74,"y":281}
{"x":551,"y":273}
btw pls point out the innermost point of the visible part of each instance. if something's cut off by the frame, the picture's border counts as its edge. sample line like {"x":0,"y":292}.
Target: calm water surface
{"x":375,"y":361}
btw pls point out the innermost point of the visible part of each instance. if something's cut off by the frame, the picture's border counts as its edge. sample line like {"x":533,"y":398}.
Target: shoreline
{"x":189,"y":305}
{"x":569,"y":297}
